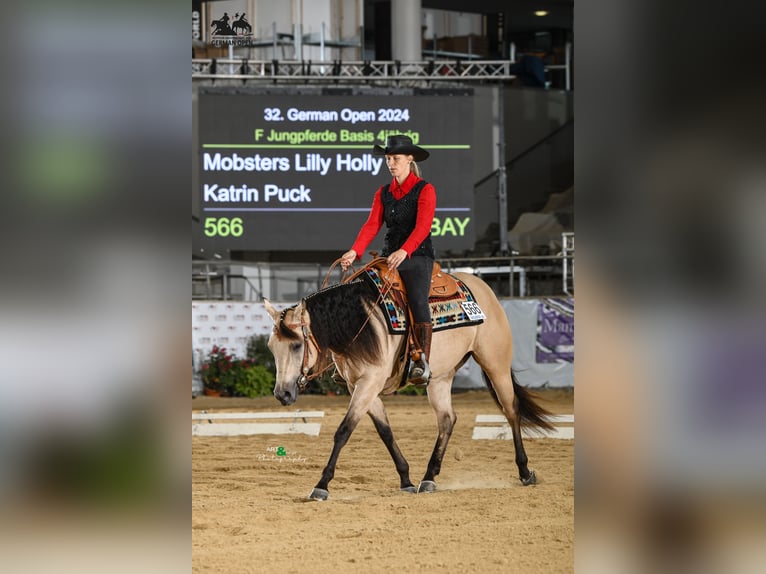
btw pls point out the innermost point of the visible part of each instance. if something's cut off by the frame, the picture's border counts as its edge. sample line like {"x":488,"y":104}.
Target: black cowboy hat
{"x":401,"y":144}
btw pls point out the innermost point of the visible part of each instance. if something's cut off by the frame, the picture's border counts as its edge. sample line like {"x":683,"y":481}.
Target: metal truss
{"x":306,"y":70}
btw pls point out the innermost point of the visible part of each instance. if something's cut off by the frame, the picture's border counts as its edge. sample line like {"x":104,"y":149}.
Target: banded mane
{"x":340,"y":320}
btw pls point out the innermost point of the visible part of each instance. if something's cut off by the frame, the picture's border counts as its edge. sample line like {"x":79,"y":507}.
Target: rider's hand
{"x":347,"y":259}
{"x":396,"y":258}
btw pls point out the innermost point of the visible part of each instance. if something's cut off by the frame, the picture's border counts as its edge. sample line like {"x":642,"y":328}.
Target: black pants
{"x":416,"y":273}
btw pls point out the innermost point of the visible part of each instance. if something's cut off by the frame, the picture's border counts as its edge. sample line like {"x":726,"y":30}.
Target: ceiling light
{"x":541,"y":13}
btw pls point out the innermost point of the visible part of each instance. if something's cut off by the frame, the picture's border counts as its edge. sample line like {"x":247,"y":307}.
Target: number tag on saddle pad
{"x":473,"y":311}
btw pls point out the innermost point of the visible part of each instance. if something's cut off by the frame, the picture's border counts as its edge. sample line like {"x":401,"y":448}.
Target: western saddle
{"x":442,"y":284}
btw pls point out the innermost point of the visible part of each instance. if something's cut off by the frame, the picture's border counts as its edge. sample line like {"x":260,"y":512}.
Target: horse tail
{"x":530,"y":413}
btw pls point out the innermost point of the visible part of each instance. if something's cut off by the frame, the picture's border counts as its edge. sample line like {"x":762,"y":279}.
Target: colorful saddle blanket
{"x":457,"y":310}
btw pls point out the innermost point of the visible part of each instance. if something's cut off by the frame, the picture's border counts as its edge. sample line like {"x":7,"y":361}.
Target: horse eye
{"x":296,"y":347}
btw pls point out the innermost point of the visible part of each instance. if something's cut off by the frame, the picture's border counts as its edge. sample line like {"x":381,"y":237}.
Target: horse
{"x":242,"y":24}
{"x":344,"y":324}
{"x":222,"y":28}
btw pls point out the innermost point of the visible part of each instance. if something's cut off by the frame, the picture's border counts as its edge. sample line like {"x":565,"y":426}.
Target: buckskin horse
{"x":346,"y":325}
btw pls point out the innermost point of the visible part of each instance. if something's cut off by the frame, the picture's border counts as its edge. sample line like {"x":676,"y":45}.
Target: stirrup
{"x":420,"y":373}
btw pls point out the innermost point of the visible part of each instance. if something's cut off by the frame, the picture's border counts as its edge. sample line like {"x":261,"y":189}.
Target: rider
{"x":222,"y":26}
{"x":407,"y":207}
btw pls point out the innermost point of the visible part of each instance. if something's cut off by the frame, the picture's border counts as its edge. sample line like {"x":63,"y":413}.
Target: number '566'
{"x":223,"y":226}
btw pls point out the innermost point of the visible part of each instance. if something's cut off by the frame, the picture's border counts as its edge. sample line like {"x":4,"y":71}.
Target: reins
{"x":343,"y":277}
{"x":308,"y":336}
{"x":381,"y":295}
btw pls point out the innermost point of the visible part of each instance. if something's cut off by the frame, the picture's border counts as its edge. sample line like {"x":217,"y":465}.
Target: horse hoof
{"x":531,"y":479}
{"x":427,"y":486}
{"x":319,"y":494}
{"x":408,"y":489}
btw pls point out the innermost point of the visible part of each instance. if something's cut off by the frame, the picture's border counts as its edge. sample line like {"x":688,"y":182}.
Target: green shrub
{"x":254,"y":381}
{"x":412,"y":390}
{"x":259,"y":354}
{"x":232,"y":376}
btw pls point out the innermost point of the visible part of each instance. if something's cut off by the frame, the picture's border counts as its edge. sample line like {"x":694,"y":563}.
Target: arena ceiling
{"x":519,"y":14}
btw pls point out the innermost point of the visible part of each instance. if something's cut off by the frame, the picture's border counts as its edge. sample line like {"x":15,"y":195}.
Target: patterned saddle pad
{"x":458,"y":310}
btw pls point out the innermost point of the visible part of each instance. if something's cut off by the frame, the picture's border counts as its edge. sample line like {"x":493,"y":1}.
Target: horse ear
{"x":271,"y":310}
{"x":298,"y":313}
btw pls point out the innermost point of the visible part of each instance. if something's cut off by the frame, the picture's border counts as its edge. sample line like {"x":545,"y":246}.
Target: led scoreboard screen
{"x":296,"y":171}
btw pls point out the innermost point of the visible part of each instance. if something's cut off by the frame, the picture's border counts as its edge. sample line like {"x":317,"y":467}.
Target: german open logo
{"x":227,"y":31}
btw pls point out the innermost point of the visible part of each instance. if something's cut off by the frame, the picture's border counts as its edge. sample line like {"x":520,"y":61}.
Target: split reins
{"x":308,"y":336}
{"x":382,"y":293}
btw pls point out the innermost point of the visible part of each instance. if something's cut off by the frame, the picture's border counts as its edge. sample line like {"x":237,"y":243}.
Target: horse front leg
{"x":360,"y":403}
{"x":440,"y":397}
{"x":379,"y":418}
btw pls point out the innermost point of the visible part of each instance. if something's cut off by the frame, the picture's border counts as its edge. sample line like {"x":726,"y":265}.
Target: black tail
{"x":530,"y":413}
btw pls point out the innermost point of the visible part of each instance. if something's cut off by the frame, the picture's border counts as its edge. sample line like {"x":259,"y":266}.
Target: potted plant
{"x":218,"y":372}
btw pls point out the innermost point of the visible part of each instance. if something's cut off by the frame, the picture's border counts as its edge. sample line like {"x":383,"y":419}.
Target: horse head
{"x":294,"y":349}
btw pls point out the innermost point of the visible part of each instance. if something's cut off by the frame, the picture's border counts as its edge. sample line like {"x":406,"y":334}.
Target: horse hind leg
{"x":517,"y":405}
{"x":441,"y":401}
{"x":379,"y":418}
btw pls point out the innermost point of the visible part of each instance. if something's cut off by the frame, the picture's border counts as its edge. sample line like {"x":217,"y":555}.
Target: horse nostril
{"x":284,"y":397}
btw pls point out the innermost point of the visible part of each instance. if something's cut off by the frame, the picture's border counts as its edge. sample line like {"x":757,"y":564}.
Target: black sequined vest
{"x":400,"y":216}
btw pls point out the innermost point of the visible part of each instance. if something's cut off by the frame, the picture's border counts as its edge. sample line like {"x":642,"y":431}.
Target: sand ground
{"x":250,"y":512}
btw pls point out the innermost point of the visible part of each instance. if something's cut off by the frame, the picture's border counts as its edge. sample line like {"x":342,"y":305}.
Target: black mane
{"x":340,"y":319}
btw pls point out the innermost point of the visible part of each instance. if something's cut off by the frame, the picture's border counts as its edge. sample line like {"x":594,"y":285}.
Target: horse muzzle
{"x":286,"y":396}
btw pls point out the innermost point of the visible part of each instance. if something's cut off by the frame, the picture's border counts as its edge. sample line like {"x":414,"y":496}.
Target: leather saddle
{"x":442,"y":284}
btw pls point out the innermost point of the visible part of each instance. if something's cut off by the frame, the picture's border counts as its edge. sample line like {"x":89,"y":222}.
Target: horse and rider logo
{"x":239,"y":26}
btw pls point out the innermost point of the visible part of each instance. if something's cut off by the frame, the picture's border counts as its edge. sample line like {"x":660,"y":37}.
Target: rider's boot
{"x":420,"y":372}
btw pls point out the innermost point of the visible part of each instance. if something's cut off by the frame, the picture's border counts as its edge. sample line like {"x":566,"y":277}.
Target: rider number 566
{"x":223,"y":226}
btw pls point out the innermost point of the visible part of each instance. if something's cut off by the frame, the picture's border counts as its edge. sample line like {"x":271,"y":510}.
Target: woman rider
{"x":406,"y":205}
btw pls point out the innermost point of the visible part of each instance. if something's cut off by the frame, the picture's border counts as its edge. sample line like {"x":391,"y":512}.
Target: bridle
{"x":305,"y":378}
{"x":308,"y":337}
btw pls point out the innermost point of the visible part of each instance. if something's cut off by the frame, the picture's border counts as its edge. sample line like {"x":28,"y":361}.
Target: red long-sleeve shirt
{"x":426,"y":210}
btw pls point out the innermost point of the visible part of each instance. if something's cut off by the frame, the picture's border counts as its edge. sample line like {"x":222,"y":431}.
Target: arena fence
{"x":543,"y":337}
{"x":509,"y":276}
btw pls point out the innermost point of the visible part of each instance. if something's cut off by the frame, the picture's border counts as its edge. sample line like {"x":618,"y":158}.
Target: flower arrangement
{"x":225,"y":373}
{"x":218,"y":369}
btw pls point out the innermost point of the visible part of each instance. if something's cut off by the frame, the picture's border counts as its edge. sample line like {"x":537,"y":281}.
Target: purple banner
{"x":555,"y":331}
